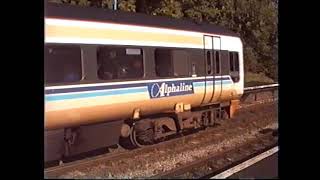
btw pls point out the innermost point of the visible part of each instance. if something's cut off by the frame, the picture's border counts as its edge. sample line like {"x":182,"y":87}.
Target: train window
{"x":171,"y":62}
{"x":234,"y":66}
{"x":236,"y":59}
{"x":180,"y":60}
{"x":163,"y":61}
{"x":208,"y":62}
{"x":62,"y":63}
{"x":119,"y":63}
{"x":224,"y":62}
{"x":217,"y":62}
{"x":194,"y":69}
{"x":231,"y":61}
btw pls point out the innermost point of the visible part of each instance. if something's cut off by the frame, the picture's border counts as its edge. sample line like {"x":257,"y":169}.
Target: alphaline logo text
{"x":158,"y":90}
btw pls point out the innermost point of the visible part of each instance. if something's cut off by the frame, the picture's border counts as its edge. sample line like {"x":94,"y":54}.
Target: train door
{"x":212,"y":85}
{"x":217,"y":79}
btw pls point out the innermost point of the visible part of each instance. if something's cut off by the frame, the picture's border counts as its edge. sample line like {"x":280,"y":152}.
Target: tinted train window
{"x":231,"y":61}
{"x":120,"y":63}
{"x":208,"y":62}
{"x":234,"y":66}
{"x":163,"y":62}
{"x":224,"y":61}
{"x":194,"y":69}
{"x":62,"y":64}
{"x":236,"y":59}
{"x":171,"y":63}
{"x":180,"y":63}
{"x":217,"y":62}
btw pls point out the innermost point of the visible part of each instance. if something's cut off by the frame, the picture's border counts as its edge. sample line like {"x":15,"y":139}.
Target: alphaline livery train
{"x":114,"y":77}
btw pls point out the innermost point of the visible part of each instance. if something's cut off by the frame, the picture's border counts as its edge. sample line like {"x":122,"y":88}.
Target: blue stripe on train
{"x":119,"y":91}
{"x":209,"y":83}
{"x":95,"y":94}
{"x":117,"y":86}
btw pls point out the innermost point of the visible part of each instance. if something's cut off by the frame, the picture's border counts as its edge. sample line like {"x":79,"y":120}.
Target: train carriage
{"x":111,"y":76}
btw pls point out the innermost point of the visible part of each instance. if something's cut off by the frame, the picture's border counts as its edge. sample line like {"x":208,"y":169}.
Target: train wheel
{"x":128,"y":142}
{"x":134,"y":138}
{"x":142,"y":134}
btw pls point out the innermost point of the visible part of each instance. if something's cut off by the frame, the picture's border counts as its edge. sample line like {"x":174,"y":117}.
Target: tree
{"x":255,"y":21}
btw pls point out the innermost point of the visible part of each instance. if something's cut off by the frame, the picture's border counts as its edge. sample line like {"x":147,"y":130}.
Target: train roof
{"x":64,"y":11}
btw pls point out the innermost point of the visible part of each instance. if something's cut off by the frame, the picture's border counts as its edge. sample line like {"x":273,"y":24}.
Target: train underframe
{"x":131,"y":133}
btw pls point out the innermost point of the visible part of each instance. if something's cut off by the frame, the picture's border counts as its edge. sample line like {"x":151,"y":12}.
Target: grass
{"x":256,"y":79}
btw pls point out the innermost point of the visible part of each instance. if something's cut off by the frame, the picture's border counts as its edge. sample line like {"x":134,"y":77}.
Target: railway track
{"x":265,"y":164}
{"x":216,"y":165}
{"x":84,"y":163}
{"x":273,"y":88}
